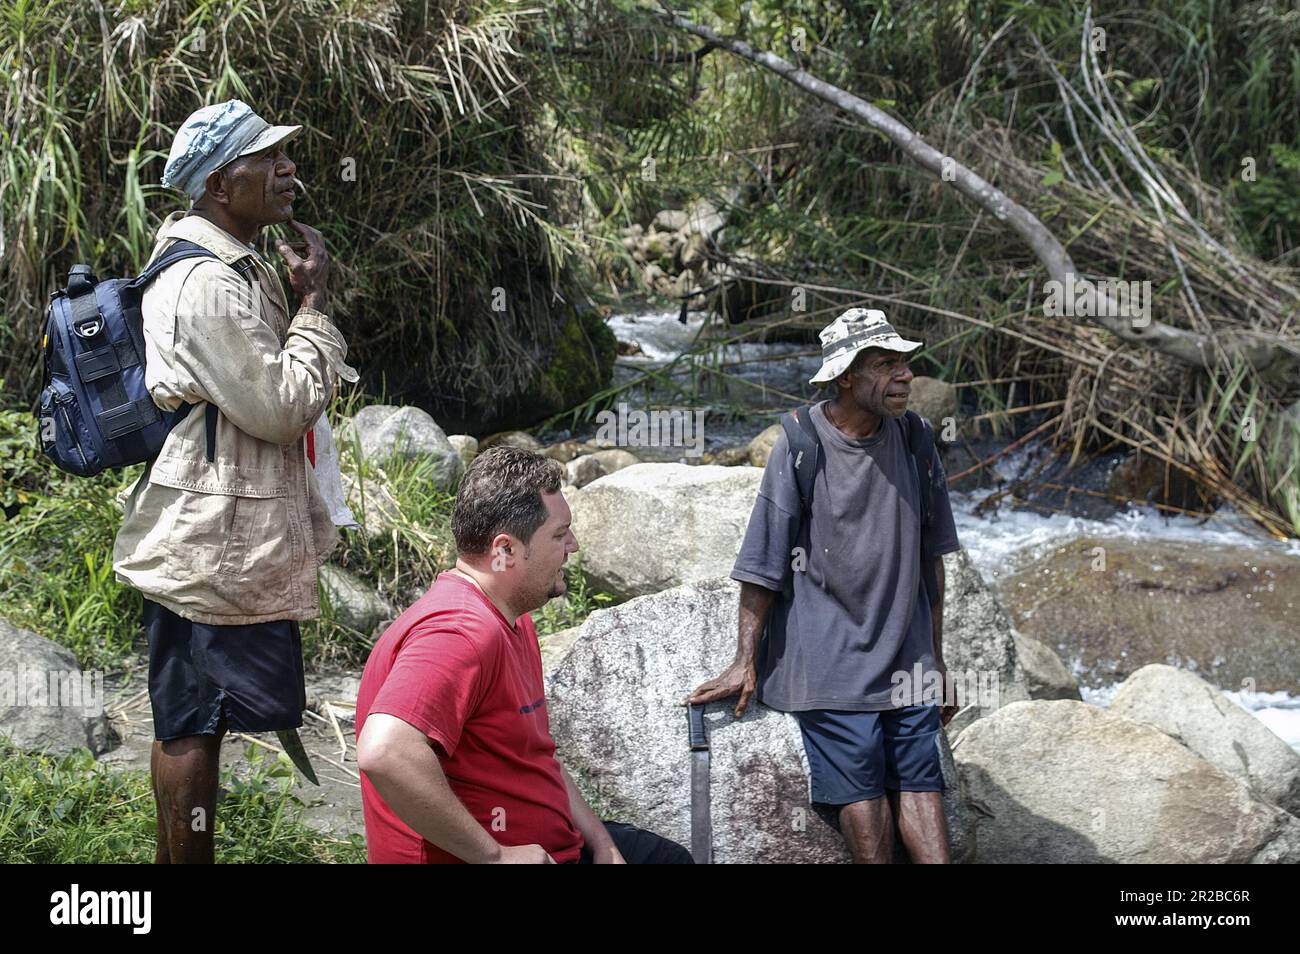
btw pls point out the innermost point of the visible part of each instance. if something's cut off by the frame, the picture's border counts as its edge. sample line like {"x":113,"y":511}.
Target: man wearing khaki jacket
{"x":224,"y":531}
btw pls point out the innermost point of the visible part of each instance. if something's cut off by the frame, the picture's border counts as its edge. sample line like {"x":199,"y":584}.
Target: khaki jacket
{"x":238,"y":540}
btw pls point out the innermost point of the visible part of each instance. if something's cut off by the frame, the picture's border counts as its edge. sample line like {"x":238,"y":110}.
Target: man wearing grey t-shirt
{"x":835,"y":620}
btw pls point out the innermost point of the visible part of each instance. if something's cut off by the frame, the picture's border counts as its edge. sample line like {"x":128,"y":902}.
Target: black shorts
{"x":204,"y":679}
{"x":641,"y":847}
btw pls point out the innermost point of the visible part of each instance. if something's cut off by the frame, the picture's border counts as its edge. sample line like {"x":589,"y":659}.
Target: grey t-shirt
{"x":859,"y":613}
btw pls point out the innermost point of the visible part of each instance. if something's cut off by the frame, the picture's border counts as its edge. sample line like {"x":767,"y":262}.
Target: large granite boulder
{"x":1066,"y":782}
{"x":979,"y":642}
{"x":1190,"y":710}
{"x":47,"y":703}
{"x":617,"y":714}
{"x":385,"y":430}
{"x":649,"y":527}
{"x":1113,"y":605}
{"x":556,"y":647}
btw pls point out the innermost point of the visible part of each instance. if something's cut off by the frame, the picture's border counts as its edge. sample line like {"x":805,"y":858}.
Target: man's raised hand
{"x":307,"y":274}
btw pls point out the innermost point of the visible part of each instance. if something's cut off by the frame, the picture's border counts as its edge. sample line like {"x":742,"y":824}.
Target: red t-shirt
{"x":456,"y":670}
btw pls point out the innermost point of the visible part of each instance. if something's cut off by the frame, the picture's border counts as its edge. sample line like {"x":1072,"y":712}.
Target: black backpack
{"x":95,"y":409}
{"x":806,"y":454}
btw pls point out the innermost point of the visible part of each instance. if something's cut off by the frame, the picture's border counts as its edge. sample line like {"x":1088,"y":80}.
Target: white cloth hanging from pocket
{"x":328,"y":478}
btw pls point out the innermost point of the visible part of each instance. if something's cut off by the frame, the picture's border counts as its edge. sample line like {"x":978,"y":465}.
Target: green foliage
{"x":813,"y":198}
{"x":22,"y":466}
{"x":56,"y":553}
{"x":1272,"y":202}
{"x":584,"y":345}
{"x":578,"y":602}
{"x":75,"y":810}
{"x":402,"y":562}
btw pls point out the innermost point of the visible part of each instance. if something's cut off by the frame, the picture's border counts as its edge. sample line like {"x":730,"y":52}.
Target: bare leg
{"x":868,"y":828}
{"x":923,"y":827}
{"x":162,"y":854}
{"x":185,"y":787}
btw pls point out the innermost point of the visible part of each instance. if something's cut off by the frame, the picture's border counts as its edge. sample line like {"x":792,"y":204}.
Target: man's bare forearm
{"x":411,"y":780}
{"x":936,"y":610}
{"x":593,"y":829}
{"x":741,"y":676}
{"x":755,"y":604}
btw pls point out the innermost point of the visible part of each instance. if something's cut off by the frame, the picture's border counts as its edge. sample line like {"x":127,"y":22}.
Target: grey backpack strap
{"x":805,"y":451}
{"x":920,"y":445}
{"x":805,"y":457}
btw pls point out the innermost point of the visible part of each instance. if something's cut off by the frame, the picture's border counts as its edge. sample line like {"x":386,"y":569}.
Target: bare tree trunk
{"x":1187,"y":346}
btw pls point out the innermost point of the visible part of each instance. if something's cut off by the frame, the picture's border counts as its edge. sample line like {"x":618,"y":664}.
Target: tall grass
{"x":429,"y":168}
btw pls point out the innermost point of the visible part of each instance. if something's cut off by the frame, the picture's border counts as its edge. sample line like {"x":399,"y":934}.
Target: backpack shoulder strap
{"x":183,"y":249}
{"x":178,"y":251}
{"x":920,"y":442}
{"x":805,"y":451}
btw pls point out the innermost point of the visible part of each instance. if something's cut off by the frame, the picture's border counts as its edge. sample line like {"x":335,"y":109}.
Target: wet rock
{"x":1111,"y":605}
{"x":1144,"y":478}
{"x":1046,"y":677}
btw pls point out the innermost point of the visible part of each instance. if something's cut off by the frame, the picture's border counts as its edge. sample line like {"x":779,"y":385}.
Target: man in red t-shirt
{"x":453,"y":741}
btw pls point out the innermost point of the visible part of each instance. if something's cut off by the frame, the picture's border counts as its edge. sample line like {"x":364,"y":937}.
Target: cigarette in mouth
{"x":297,"y":184}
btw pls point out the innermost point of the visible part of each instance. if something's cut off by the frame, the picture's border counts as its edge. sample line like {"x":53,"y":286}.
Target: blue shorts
{"x":855,"y":756}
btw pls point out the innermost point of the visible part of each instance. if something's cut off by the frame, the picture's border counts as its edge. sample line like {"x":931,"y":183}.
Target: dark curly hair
{"x":502,"y":493}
